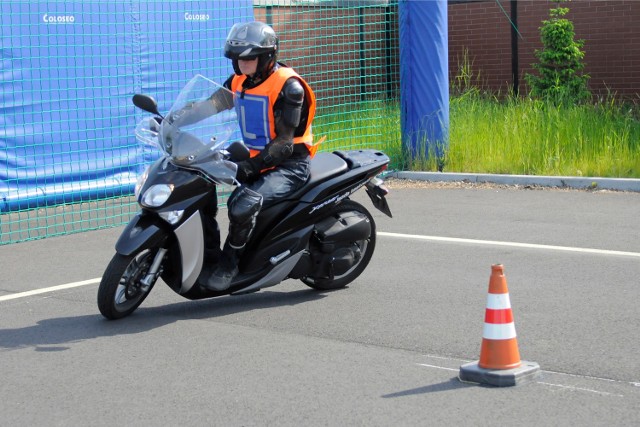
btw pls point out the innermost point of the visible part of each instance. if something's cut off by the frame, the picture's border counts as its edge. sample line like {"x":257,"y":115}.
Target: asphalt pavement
{"x":384,"y":351}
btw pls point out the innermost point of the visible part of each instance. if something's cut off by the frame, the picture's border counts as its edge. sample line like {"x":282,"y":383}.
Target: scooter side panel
{"x":191,"y":243}
{"x":303,"y":207}
{"x":274,"y":276}
{"x":260,"y":255}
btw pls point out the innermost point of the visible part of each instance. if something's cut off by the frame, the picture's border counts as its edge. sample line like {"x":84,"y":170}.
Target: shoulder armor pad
{"x":293,"y":91}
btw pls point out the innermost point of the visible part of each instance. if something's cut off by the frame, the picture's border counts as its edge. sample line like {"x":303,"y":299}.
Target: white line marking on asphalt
{"x":51,"y":289}
{"x":588,"y":377}
{"x":438,"y":367}
{"x":604,"y":393}
{"x":380,"y":233}
{"x":509,"y":244}
{"x":585,"y":377}
{"x":435,"y":356}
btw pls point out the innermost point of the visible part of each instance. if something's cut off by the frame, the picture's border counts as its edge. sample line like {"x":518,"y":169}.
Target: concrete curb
{"x":593,"y":183}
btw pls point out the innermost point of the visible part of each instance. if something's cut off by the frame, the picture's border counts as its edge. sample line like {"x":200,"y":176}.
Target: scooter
{"x":317,"y":235}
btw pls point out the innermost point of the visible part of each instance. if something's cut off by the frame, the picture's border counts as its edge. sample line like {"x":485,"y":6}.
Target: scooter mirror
{"x":146,"y":103}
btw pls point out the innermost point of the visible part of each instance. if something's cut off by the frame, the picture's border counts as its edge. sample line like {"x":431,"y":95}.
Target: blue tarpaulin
{"x":68,"y":71}
{"x":424,"y":76}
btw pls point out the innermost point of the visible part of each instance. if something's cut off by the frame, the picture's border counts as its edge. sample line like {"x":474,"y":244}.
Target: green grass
{"x":513,"y":136}
{"x":524,"y":136}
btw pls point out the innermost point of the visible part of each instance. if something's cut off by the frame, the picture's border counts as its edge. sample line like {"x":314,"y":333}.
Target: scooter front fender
{"x":142,"y":232}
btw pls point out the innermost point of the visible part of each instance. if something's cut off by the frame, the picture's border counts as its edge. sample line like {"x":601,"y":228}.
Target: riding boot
{"x":244,"y":206}
{"x":226,"y":270}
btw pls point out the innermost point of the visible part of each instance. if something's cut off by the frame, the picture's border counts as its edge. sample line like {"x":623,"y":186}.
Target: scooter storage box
{"x":344,"y":228}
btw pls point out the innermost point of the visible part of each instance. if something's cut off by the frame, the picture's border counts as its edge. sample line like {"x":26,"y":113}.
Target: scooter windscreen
{"x":194,"y":137}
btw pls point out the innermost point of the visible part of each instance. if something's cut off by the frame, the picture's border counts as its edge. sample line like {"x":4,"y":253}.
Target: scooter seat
{"x":324,"y":166}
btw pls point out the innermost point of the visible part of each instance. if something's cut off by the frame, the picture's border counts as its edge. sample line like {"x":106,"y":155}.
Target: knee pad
{"x":244,"y":205}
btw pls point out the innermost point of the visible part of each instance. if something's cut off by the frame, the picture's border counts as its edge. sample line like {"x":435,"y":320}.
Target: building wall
{"x":346,"y":54}
{"x":610,"y":29}
{"x":323,"y":43}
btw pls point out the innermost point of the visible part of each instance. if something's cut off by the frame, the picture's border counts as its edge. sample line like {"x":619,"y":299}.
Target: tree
{"x":560,"y":65}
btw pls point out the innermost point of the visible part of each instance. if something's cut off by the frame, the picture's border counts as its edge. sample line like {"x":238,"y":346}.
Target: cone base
{"x":523,"y":374}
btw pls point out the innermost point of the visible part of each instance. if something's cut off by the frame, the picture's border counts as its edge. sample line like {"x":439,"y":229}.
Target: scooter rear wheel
{"x":120,"y":291}
{"x":365,"y":246}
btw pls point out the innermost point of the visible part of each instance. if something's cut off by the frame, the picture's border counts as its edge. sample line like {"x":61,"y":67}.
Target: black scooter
{"x":317,"y":235}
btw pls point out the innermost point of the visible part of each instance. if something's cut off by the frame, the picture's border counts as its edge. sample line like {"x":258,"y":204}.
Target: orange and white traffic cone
{"x":499,"y":343}
{"x":499,"y":362}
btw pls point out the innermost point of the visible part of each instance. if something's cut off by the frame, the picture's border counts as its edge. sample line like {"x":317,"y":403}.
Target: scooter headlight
{"x":156,"y":195}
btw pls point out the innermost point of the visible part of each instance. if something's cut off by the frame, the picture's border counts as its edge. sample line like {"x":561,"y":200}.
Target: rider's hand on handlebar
{"x":247,"y":171}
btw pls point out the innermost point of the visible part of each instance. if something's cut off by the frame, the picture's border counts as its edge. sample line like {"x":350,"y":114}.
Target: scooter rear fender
{"x":142,"y":232}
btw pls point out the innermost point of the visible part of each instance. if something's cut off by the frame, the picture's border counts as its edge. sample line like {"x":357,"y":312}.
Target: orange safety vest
{"x":255,"y":110}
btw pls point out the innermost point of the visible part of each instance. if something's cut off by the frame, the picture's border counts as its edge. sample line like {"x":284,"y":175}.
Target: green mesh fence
{"x":346,"y":50}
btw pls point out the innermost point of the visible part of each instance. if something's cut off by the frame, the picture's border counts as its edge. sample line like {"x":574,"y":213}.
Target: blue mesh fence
{"x":68,"y":158}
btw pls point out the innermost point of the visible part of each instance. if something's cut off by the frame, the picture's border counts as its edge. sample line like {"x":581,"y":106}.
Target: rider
{"x":275,"y":109}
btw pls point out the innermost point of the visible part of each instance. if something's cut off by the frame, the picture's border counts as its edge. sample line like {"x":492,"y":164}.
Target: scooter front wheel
{"x":121,"y":290}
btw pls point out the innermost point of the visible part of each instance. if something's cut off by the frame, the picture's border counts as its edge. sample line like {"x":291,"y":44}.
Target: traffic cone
{"x":499,"y":343}
{"x":499,"y":362}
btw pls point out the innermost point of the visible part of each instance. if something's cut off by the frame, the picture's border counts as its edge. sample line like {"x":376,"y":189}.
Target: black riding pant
{"x":272,"y":186}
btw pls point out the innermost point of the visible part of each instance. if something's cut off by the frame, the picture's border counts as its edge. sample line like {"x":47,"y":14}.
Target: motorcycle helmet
{"x":249,"y":41}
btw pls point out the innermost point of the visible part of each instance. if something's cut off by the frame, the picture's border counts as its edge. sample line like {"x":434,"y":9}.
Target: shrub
{"x":560,"y":65}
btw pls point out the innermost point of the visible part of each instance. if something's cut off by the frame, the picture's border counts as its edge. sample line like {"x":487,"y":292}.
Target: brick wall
{"x":323,"y":44}
{"x":346,"y":54}
{"x":610,"y":29}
